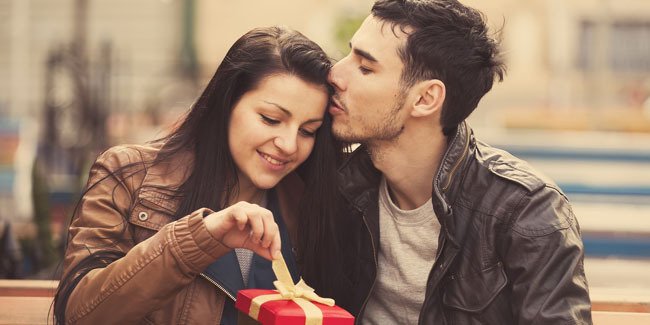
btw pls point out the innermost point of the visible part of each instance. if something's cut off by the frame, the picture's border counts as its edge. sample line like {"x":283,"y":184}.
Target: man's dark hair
{"x":447,"y":41}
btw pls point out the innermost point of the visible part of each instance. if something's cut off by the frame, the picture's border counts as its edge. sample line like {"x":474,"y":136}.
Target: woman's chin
{"x":266,"y":184}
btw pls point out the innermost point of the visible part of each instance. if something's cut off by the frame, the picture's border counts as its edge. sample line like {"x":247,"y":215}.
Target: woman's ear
{"x":430,"y":98}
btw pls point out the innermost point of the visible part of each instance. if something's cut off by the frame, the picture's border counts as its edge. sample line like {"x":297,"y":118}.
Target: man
{"x":441,"y":228}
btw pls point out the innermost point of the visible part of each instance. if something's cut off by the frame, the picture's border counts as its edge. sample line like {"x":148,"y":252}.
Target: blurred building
{"x":586,"y":60}
{"x":144,"y":36}
{"x":77,"y":76}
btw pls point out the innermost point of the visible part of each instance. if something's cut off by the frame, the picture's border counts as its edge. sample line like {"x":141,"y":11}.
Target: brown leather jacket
{"x":158,"y":281}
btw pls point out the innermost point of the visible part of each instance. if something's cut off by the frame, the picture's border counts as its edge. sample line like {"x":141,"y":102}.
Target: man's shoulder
{"x":511,"y":184}
{"x":511,"y":169}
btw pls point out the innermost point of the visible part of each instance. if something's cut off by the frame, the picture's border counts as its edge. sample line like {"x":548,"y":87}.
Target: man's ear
{"x":429,"y":99}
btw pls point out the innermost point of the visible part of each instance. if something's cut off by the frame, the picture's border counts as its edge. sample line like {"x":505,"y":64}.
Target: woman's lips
{"x":273,"y":162}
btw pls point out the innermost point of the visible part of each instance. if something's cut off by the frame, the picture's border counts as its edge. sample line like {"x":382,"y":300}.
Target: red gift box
{"x":288,"y":312}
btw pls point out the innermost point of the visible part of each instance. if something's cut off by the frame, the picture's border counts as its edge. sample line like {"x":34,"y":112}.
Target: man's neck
{"x":409,"y":164}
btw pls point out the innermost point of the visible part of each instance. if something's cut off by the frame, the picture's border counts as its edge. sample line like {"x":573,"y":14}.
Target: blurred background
{"x":77,"y":76}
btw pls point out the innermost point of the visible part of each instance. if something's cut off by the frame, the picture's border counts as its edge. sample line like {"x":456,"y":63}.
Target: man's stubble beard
{"x":386,"y":129}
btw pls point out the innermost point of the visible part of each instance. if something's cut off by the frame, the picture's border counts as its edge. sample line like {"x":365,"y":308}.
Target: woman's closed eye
{"x":307,"y":133}
{"x":269,"y":120}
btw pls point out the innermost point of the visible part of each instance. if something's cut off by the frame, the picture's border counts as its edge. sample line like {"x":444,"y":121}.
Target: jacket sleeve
{"x":544,"y":262}
{"x":150,"y":273}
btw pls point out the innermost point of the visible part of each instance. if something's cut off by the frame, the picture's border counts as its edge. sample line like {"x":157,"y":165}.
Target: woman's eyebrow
{"x":284,"y":110}
{"x":313,"y":120}
{"x":288,"y":113}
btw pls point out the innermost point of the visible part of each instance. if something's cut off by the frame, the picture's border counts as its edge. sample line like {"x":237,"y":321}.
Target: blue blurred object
{"x":618,"y":190}
{"x":590,"y":154}
{"x":634,"y":246}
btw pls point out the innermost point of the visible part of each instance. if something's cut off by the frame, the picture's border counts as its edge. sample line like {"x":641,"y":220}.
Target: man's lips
{"x":336,"y":107}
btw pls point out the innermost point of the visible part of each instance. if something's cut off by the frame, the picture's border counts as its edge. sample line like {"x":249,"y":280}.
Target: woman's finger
{"x":270,"y":230}
{"x":256,"y":224}
{"x":241,"y":218}
{"x":275,"y":247}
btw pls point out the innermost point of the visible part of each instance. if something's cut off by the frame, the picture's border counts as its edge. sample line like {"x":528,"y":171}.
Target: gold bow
{"x":300,"y":293}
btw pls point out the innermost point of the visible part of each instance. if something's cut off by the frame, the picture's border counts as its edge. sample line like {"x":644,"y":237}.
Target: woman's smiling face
{"x":272,"y":128}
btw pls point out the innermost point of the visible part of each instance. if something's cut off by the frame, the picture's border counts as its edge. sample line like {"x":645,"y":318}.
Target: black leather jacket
{"x":509,"y":252}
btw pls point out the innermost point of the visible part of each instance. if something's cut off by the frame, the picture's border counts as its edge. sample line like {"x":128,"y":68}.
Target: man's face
{"x":368,"y":100}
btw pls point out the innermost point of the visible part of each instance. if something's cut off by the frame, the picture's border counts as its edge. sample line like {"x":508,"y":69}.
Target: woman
{"x":152,"y":238}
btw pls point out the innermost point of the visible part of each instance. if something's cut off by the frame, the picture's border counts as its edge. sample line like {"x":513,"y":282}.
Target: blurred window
{"x":621,"y":46}
{"x":629,"y":48}
{"x":586,"y":57}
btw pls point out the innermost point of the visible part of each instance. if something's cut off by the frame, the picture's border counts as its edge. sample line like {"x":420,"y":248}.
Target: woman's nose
{"x":287,"y":143}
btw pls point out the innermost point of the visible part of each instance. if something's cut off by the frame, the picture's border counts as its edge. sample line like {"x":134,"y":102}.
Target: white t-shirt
{"x":408,"y":245}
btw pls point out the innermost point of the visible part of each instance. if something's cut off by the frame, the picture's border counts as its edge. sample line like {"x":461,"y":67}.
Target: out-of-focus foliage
{"x":345,"y":28}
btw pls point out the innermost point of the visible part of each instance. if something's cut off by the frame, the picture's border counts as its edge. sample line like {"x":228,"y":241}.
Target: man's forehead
{"x":377,"y":34}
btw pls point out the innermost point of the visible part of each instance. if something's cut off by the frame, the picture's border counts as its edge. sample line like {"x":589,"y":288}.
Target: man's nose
{"x":335,"y":76}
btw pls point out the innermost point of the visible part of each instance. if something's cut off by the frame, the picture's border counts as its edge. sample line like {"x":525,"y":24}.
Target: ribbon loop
{"x":300,"y":293}
{"x":289,"y":290}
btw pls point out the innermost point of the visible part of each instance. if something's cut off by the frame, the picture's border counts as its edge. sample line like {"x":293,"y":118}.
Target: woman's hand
{"x":246,"y":225}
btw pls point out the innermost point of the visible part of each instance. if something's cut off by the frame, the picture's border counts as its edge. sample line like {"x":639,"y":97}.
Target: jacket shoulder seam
{"x":529,"y":186}
{"x":551,"y":228}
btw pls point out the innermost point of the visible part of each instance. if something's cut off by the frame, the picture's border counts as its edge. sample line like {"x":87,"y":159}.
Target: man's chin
{"x":346,"y":135}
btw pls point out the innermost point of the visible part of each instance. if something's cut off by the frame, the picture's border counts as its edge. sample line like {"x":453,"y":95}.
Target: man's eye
{"x":269,"y":120}
{"x":364,"y":70}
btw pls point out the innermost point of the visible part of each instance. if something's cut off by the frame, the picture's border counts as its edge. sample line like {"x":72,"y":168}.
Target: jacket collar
{"x":448,"y":173}
{"x":359,"y":179}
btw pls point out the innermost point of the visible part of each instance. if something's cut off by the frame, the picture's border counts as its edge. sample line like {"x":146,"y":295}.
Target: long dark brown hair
{"x":204,"y":130}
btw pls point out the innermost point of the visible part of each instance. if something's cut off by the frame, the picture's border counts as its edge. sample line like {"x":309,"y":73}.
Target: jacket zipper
{"x":438,"y":254}
{"x":218,"y":286}
{"x":374,"y":257}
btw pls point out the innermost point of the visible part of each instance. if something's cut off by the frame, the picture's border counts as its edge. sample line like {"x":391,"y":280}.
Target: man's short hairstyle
{"x":447,"y":41}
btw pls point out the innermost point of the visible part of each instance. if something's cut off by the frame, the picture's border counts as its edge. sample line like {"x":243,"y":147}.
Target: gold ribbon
{"x":300,"y":293}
